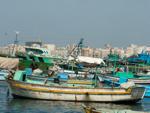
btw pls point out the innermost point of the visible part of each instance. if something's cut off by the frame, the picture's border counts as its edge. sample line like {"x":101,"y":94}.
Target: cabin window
{"x":56,"y":80}
{"x":32,"y":58}
{"x":23,"y":58}
{"x":24,"y":77}
{"x":41,"y":59}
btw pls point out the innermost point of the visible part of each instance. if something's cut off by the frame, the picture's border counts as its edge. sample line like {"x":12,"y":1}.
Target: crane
{"x":77,"y":49}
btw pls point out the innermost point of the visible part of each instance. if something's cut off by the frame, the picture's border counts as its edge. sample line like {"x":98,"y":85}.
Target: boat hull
{"x":35,"y":91}
{"x":147,"y":92}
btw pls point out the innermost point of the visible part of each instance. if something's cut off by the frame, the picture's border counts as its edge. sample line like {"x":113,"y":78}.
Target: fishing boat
{"x":142,"y":58}
{"x":113,"y":58}
{"x":71,"y":90}
{"x":35,"y":56}
{"x":129,"y":76}
{"x":89,"y":109}
{"x":145,"y":73}
{"x":112,"y":83}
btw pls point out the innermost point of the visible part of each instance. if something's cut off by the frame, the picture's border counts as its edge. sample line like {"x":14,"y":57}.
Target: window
{"x":32,"y":58}
{"x":41,"y":59}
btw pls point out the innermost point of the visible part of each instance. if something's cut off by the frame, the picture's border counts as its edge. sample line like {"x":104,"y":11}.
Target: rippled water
{"x":10,"y":105}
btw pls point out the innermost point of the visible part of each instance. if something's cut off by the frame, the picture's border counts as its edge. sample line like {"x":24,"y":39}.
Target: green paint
{"x":19,"y":75}
{"x":124,"y":74}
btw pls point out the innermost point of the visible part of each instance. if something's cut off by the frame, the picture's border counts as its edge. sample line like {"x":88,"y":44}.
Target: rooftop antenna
{"x":16,"y":40}
{"x":15,"y":43}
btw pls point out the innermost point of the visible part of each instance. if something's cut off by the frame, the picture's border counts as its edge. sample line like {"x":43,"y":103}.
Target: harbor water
{"x":10,"y":105}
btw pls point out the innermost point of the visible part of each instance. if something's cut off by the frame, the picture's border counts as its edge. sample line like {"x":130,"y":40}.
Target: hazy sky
{"x":118,"y":22}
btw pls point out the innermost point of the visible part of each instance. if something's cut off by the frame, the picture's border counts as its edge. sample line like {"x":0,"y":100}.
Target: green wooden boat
{"x":26,"y":60}
{"x":35,"y":57}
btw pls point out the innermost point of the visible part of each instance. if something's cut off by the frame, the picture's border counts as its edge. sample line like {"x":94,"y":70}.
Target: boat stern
{"x":138,"y":93}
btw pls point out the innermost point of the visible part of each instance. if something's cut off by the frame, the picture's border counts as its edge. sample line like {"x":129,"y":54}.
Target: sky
{"x":115,"y":22}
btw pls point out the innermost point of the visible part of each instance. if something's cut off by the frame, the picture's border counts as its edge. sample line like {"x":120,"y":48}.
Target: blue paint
{"x":28,"y":71}
{"x":62,"y":76}
{"x":143,"y":57}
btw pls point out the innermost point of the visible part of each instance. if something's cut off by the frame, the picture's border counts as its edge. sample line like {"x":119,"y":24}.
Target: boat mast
{"x":76,"y":51}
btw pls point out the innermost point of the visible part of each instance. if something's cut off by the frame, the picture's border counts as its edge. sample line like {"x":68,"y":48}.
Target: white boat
{"x":75,"y":90}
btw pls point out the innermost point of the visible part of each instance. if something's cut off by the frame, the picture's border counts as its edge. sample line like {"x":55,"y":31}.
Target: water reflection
{"x":134,"y":107}
{"x":38,"y":106}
